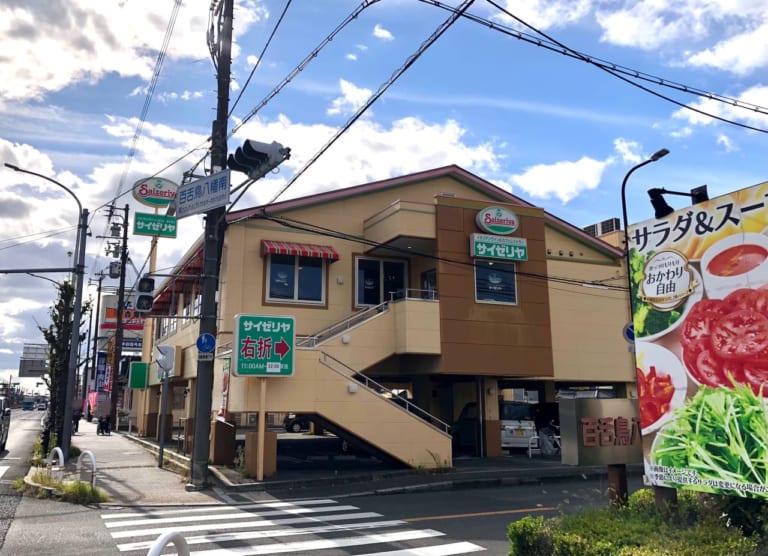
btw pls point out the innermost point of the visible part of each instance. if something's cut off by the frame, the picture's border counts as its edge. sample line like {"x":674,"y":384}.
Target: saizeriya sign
{"x":155,"y":192}
{"x":497,"y":220}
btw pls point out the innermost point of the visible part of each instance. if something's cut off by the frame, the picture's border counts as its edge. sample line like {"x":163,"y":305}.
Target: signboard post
{"x":699,"y":281}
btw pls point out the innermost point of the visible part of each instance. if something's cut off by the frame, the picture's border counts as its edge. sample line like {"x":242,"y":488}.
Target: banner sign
{"x":700,"y":313}
{"x":101,"y":370}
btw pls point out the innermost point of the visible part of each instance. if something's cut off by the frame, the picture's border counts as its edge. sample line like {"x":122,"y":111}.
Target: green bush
{"x":694,"y":526}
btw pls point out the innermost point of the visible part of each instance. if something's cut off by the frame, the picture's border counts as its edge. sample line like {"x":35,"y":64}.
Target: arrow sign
{"x":282,"y":348}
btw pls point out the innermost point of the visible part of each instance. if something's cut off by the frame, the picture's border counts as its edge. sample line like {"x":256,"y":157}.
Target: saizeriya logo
{"x":497,"y":220}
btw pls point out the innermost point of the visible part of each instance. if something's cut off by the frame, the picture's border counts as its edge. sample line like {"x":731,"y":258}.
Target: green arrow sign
{"x":263,"y":345}
{"x":145,"y":224}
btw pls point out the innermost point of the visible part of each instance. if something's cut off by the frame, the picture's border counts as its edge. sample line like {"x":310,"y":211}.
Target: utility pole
{"x":96,"y":335}
{"x":118,"y":351}
{"x":212,"y":247}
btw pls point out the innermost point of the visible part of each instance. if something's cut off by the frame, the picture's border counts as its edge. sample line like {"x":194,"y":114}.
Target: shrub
{"x":529,"y":537}
{"x":79,"y":492}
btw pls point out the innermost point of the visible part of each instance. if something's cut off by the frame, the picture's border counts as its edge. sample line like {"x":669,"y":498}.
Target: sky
{"x":552,"y":100}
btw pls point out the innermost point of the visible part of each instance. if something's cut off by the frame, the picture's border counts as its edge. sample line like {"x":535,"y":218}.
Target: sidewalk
{"x":127,"y":469}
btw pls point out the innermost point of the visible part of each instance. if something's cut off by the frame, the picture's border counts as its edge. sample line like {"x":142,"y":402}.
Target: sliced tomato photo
{"x":698,"y":323}
{"x":704,"y":366}
{"x":757,"y":376}
{"x":746,"y":298}
{"x":740,"y":335}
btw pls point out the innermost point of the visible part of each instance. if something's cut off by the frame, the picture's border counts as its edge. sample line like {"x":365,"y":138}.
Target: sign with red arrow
{"x":263,"y":345}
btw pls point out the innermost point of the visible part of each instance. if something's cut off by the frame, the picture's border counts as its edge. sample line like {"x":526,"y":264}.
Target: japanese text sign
{"x":203,"y":195}
{"x":699,"y":295}
{"x":498,"y":247}
{"x":263,"y":345}
{"x":145,"y":224}
{"x":600,"y":431}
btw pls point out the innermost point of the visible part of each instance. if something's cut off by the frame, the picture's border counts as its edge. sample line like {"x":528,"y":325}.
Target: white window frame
{"x":296,"y":269}
{"x":490,"y":302}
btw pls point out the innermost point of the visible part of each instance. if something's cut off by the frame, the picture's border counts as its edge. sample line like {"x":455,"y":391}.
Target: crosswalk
{"x":316,"y":527}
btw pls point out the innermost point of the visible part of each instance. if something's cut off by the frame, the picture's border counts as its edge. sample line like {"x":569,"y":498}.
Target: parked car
{"x":517,"y":420}
{"x":296,"y":422}
{"x":5,"y":422}
{"x":28,"y":405}
{"x":42,"y":406}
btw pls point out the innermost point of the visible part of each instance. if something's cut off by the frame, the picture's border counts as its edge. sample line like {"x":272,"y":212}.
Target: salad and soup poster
{"x":700,"y":312}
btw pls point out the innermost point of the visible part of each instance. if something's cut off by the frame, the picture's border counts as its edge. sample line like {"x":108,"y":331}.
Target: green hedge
{"x":696,"y":526}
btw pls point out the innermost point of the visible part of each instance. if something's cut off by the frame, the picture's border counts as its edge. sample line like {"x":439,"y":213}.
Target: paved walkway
{"x":127,"y":469}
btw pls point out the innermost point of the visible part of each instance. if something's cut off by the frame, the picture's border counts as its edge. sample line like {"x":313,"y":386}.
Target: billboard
{"x":699,"y":282}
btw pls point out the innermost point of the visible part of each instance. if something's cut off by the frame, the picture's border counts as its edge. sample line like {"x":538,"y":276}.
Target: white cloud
{"x":545,"y":14}
{"x":630,"y":151}
{"x":564,"y":180}
{"x":755,"y":96}
{"x":59,"y":42}
{"x":740,"y":54}
{"x":361,"y":47}
{"x":351,"y":56}
{"x":380,"y":33}
{"x":727,"y":143}
{"x":351,"y":99}
{"x":251,"y":60}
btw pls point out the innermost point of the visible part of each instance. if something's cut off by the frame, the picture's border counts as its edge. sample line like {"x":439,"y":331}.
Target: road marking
{"x":439,"y":550}
{"x":3,"y":469}
{"x":234,"y":507}
{"x":479,"y":514}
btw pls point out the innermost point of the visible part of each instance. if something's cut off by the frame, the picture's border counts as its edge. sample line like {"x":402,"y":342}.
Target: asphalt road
{"x":14,"y":462}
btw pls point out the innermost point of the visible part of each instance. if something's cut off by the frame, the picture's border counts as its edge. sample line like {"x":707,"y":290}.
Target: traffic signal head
{"x":255,"y":158}
{"x":166,"y":356}
{"x":145,"y":299}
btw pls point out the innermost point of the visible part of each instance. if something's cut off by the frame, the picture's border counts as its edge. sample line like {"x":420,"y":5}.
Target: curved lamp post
{"x":74,"y":344}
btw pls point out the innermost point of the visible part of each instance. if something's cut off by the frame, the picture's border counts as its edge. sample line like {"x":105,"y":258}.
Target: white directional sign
{"x":203,"y":195}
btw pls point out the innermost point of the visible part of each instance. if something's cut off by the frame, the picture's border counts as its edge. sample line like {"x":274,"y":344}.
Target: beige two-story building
{"x":411,"y":297}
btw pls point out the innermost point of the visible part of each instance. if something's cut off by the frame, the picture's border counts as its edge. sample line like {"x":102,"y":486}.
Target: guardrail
{"x":379,"y":389}
{"x":341,"y":326}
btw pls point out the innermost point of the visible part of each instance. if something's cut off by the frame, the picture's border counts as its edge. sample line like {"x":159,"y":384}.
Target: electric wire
{"x":609,"y":69}
{"x":35,"y":239}
{"x":258,"y":60}
{"x":442,"y":28}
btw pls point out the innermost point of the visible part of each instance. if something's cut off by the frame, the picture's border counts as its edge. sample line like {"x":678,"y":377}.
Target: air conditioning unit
{"x":610,"y":225}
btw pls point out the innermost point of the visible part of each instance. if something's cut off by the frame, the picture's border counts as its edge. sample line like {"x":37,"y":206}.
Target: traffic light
{"x":255,"y":158}
{"x":166,"y":356}
{"x":146,"y":298}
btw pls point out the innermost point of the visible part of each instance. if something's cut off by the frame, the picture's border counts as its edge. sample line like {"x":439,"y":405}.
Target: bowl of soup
{"x":737,"y":261}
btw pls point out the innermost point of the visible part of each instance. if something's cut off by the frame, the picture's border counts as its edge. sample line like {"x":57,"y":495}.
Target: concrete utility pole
{"x":212,"y":247}
{"x":118,"y":351}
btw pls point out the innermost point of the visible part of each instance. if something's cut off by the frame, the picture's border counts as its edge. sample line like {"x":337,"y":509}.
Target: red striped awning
{"x":303,"y":249}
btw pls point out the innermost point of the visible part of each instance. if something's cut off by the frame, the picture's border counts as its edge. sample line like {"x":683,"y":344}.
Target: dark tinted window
{"x":516,"y":412}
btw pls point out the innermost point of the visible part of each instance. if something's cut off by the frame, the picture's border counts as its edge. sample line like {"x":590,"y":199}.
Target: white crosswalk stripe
{"x":3,"y":469}
{"x":278,"y":527}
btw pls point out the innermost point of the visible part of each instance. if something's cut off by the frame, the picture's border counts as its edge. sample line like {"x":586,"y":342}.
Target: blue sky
{"x":551,"y":128}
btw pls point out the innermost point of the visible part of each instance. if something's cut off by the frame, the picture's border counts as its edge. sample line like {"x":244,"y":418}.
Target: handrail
{"x":377,"y":388}
{"x":342,"y":325}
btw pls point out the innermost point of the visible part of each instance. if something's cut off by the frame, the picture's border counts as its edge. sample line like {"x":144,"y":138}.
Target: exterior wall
{"x":587,"y":321}
{"x":488,"y":339}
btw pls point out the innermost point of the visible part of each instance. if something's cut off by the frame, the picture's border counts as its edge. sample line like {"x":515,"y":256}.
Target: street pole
{"x":74,"y":343}
{"x":118,"y":351}
{"x":617,"y":474}
{"x":212,"y":246}
{"x":163,"y":410}
{"x":95,"y":336}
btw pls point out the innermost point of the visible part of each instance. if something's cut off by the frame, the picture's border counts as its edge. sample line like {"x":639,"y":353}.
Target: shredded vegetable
{"x":721,"y":434}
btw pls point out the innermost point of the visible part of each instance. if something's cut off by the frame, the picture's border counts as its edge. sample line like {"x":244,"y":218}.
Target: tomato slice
{"x":746,"y":298}
{"x":740,"y":335}
{"x":698,"y":323}
{"x":703,"y":365}
{"x":757,"y":376}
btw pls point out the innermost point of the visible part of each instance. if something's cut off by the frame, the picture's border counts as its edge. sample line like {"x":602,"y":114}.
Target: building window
{"x":186,"y":310}
{"x":294,"y":278}
{"x":379,"y":280}
{"x":495,"y":282}
{"x":198,"y":303}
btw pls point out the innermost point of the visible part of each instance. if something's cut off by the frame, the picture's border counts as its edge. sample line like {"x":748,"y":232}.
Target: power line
{"x":258,"y":60}
{"x":442,"y":28}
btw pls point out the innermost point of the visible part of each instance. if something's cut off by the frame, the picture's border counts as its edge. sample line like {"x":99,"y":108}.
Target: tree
{"x":58,"y":336}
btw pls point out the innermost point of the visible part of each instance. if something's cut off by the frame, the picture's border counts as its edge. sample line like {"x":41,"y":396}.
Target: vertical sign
{"x":101,"y":370}
{"x":699,"y":291}
{"x":263,"y":345}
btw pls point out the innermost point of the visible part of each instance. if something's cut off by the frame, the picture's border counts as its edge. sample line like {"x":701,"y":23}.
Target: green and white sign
{"x":154,"y":192}
{"x":498,"y":247}
{"x":145,"y":224}
{"x":263,"y":345}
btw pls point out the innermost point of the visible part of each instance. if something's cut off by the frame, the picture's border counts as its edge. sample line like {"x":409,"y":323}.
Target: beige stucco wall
{"x":587,"y":322}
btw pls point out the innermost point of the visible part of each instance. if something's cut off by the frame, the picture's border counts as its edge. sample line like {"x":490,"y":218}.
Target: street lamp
{"x":74,"y":344}
{"x":660,"y":206}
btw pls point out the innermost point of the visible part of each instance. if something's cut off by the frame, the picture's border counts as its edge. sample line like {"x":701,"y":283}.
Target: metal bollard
{"x":182,"y":549}
{"x":84,"y":470}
